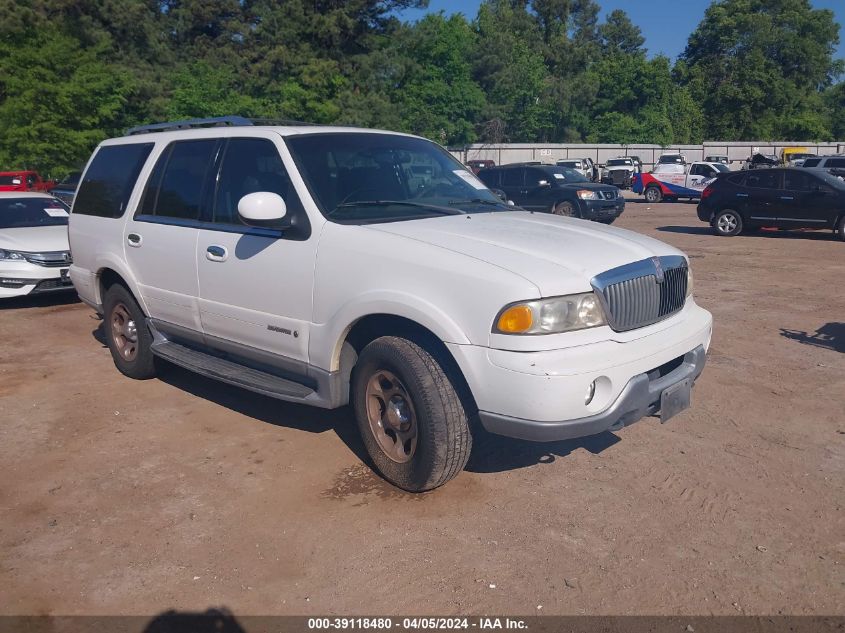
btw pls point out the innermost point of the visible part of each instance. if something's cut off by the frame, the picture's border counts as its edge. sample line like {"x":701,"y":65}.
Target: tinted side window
{"x":533,"y":177}
{"x":736,"y":179}
{"x":489,"y":177}
{"x":796,"y":181}
{"x":835,"y":162}
{"x":763,"y":179}
{"x":110,"y":179}
{"x":812,"y":162}
{"x":512,"y":177}
{"x":182,"y":179}
{"x":250,"y":165}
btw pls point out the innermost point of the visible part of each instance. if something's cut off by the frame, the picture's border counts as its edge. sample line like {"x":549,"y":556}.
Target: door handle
{"x":742,"y":195}
{"x":787,"y":198}
{"x":134,"y":240}
{"x":216,"y":254}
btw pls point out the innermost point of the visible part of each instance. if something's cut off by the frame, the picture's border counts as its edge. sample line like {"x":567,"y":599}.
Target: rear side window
{"x":489,"y":177}
{"x":763,"y":179}
{"x":812,"y":162}
{"x":736,"y":179}
{"x":177,"y":185}
{"x":110,"y":179}
{"x":835,"y":162}
{"x":512,"y":177}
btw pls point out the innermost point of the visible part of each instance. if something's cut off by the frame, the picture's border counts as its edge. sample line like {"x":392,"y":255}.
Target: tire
{"x":127,"y":335}
{"x":727,"y":223}
{"x":565,"y":209}
{"x":840,"y":229}
{"x":411,"y":418}
{"x":653,"y":194}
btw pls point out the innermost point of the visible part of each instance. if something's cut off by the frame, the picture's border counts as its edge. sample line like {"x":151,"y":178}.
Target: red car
{"x":24,"y":181}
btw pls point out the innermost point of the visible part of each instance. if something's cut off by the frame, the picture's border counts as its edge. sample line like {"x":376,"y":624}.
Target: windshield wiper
{"x":477,"y":201}
{"x":393,"y":203}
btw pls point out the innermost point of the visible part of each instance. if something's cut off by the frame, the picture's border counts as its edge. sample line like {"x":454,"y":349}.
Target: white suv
{"x":329,"y":265}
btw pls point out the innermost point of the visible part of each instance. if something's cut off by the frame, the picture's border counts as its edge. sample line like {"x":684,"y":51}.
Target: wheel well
{"x":369,"y":328}
{"x":107,"y":278}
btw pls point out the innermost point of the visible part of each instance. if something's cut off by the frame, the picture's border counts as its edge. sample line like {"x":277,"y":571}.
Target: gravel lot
{"x":132,"y":497}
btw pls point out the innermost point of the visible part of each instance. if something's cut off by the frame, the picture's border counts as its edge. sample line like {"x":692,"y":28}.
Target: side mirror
{"x":544,"y":183}
{"x":500,"y":194}
{"x":262,"y":208}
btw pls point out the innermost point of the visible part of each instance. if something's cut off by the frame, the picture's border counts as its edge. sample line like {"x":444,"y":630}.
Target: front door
{"x":807,"y":201}
{"x":161,"y":239}
{"x":255,"y":284}
{"x":537,"y":191}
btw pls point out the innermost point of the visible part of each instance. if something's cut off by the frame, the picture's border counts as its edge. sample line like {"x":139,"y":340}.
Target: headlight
{"x":11,"y":255}
{"x":689,"y":280}
{"x":587,"y":194}
{"x":550,"y":316}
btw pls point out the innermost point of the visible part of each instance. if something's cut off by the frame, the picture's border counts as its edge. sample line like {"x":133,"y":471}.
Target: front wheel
{"x":653,"y":194}
{"x":565,"y":209}
{"x":411,"y":418}
{"x":840,"y":229}
{"x":727,"y":223}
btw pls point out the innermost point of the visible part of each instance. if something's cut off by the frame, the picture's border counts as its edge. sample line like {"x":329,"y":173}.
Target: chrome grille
{"x":52,"y":259}
{"x":642,"y":293}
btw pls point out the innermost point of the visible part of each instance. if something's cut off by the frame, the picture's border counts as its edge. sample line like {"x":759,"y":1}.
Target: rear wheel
{"x":840,"y":229}
{"x":564,"y":208}
{"x":411,"y":418}
{"x":127,"y":334}
{"x":653,"y":194}
{"x":727,"y":223}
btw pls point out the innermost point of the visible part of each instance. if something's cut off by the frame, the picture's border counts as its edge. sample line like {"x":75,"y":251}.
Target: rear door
{"x":760,"y":197}
{"x":161,"y":239}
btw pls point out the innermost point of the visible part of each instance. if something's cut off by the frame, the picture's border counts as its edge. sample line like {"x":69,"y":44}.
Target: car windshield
{"x":721,"y":167}
{"x":371,"y":177}
{"x":572,"y":164}
{"x":565,"y":174}
{"x":671,"y":158}
{"x":71,"y":180}
{"x":798,"y":156}
{"x":17,"y":213}
{"x":617,"y":162}
{"x":830,"y":178}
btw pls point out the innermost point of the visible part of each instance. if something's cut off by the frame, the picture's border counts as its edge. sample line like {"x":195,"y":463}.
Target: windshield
{"x":365,"y":177}
{"x":71,"y":180}
{"x":720,"y":167}
{"x":17,"y":213}
{"x":617,"y":162}
{"x":572,"y":164}
{"x":563,"y":174}
{"x":671,"y":158}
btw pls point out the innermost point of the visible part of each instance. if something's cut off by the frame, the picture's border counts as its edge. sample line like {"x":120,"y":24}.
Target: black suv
{"x":788,"y":198}
{"x":555,"y":189}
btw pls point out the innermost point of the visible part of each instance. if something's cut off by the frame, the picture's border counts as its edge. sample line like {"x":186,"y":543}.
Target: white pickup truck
{"x":331,"y":266}
{"x":676,"y":181}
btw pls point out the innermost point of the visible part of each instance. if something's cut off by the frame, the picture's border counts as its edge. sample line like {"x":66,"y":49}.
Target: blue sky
{"x":666,"y":24}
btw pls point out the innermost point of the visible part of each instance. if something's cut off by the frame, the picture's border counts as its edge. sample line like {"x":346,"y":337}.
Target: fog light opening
{"x":591,"y":392}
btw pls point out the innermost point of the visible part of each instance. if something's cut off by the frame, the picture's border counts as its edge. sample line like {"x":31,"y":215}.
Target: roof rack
{"x":220,"y":121}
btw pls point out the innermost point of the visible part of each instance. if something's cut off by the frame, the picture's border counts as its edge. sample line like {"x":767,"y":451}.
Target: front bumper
{"x":602,"y":210}
{"x":640,"y":397}
{"x":18,"y":279}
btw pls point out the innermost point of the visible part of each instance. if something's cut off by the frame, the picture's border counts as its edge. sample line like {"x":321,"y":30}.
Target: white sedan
{"x":34,"y":251}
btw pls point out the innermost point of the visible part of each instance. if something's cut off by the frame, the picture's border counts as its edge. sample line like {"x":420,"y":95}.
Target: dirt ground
{"x":118,"y":496}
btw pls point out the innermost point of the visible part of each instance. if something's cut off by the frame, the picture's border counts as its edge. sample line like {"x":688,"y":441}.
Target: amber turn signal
{"x":515,"y":319}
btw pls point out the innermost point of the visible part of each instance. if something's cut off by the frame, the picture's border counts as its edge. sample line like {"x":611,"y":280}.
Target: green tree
{"x":619,"y":35}
{"x":758,"y":67}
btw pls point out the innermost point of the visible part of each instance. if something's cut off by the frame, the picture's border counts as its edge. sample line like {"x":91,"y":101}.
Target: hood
{"x":558,"y":255}
{"x":35,"y":239}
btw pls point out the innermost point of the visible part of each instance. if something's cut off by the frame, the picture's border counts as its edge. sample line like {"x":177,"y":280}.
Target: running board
{"x":232,"y":373}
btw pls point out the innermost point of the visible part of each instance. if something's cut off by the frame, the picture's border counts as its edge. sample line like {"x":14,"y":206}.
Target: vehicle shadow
{"x":828,"y":336}
{"x":821,"y":234}
{"x":47,"y":300}
{"x":490,"y":453}
{"x":209,"y":621}
{"x":494,"y":453}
